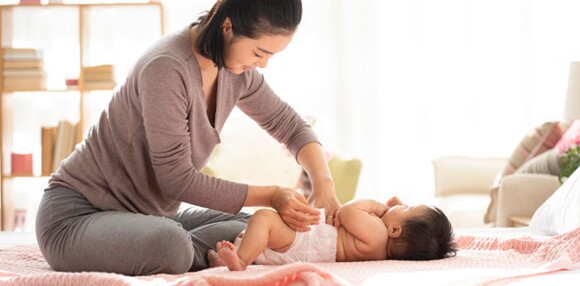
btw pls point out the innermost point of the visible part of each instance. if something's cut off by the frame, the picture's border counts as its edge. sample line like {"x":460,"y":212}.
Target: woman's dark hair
{"x":427,"y":237}
{"x":250,"y":18}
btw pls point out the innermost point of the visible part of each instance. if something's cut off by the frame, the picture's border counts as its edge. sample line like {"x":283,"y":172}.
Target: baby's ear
{"x":394,"y":230}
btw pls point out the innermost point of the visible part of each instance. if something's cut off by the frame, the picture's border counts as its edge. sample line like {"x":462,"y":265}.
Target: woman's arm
{"x":289,"y":204}
{"x":311,"y":157}
{"x":261,"y":104}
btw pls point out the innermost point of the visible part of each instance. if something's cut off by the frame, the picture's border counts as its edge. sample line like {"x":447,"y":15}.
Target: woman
{"x":113,"y":204}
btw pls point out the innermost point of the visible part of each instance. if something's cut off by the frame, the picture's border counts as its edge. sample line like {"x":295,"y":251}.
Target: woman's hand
{"x":324,"y":196}
{"x":294,"y":209}
{"x":313,"y":159}
{"x":336,"y":218}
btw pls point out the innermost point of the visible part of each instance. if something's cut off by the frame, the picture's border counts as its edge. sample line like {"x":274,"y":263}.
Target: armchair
{"x":522,"y":194}
{"x":463,"y":189}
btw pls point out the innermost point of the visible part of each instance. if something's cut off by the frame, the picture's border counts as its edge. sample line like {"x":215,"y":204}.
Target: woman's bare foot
{"x":214,"y":259}
{"x":227,"y":252}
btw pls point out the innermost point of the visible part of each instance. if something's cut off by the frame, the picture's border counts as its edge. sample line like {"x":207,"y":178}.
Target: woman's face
{"x":242,"y":54}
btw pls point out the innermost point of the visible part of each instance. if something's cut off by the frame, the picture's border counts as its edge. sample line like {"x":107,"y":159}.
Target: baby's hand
{"x":394,"y":201}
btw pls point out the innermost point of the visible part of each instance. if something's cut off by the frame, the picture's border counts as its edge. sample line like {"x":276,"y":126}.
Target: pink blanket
{"x":481,"y":261}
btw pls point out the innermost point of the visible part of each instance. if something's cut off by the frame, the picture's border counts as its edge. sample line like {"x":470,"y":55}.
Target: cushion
{"x":545,"y":163}
{"x":572,"y":136}
{"x":541,"y":139}
{"x":345,"y":172}
{"x":560,"y":213}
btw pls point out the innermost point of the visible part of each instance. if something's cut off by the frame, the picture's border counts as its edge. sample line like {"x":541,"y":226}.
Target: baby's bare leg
{"x":265,"y":229}
{"x":214,"y":260}
{"x":238,"y":239}
{"x":227,"y":254}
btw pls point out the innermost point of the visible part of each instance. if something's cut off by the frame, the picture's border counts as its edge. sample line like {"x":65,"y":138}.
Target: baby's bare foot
{"x":228,"y":255}
{"x":214,"y":259}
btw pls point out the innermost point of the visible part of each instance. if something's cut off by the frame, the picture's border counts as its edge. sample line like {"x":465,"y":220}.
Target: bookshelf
{"x":80,"y":32}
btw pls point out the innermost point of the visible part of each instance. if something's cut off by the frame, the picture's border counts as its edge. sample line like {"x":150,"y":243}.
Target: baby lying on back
{"x":362,"y":230}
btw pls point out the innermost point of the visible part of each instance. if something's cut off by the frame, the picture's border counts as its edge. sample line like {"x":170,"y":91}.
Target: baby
{"x":362,"y":230}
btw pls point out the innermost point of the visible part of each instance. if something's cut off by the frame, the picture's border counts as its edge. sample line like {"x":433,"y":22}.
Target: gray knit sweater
{"x":146,"y":150}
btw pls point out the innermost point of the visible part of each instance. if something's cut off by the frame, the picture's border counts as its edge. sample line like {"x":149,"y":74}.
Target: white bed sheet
{"x":569,"y":277}
{"x":505,"y":232}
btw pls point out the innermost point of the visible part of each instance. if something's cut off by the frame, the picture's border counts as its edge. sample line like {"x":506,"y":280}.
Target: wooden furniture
{"x":81,"y":19}
{"x":519,"y":221}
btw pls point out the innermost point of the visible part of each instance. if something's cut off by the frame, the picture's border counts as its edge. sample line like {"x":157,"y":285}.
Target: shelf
{"x":83,"y":16}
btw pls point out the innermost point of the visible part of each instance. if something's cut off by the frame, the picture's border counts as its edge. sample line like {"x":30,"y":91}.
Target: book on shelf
{"x":64,"y":143}
{"x":11,"y":54}
{"x":48,"y":138}
{"x":24,"y":83}
{"x":102,"y":72}
{"x":101,"y":68}
{"x":100,"y":84}
{"x":23,"y":69}
{"x":20,"y":73}
{"x":37,"y":64}
{"x":99,"y":77}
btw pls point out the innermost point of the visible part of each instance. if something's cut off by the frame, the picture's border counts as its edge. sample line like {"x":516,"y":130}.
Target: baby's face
{"x":400,"y":213}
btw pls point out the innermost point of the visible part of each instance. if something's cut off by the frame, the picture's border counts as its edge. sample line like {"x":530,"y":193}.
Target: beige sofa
{"x":522,"y":194}
{"x":463,"y":185}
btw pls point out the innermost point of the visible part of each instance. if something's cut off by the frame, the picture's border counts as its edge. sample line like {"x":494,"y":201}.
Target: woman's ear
{"x":394,"y":231}
{"x":227,"y":28}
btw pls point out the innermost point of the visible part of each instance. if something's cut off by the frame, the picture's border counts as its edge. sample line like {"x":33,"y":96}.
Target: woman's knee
{"x":171,"y":246}
{"x":243,"y":217}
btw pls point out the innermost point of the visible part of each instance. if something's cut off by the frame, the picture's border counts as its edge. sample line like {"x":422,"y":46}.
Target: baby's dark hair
{"x":425,"y":237}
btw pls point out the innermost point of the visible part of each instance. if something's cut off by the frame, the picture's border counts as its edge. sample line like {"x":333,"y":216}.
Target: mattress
{"x":488,"y":256}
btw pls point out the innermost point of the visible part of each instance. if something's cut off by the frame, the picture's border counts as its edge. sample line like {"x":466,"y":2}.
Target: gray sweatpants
{"x":75,"y":236}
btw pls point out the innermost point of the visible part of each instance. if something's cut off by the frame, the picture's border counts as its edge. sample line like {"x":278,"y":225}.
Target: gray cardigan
{"x":145,"y":153}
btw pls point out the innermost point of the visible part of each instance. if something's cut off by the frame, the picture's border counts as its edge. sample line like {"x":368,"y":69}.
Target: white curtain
{"x":398,"y":83}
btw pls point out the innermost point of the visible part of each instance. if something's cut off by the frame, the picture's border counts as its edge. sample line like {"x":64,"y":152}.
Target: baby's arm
{"x":360,"y":216}
{"x":369,"y":206}
{"x":394,"y":201}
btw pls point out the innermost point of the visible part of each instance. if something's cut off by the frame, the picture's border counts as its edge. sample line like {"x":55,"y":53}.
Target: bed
{"x":487,"y":256}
